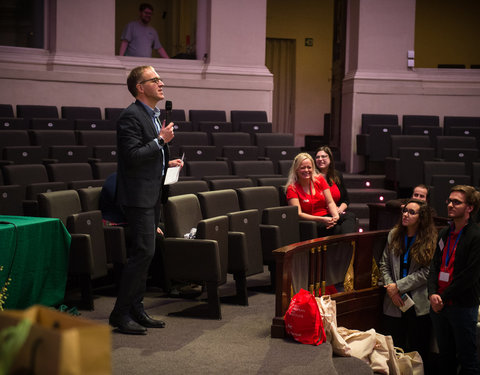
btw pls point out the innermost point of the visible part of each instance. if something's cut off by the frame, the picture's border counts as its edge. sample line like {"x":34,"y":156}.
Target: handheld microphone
{"x":168,"y":111}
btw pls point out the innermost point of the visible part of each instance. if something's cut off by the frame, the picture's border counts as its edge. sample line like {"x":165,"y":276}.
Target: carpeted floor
{"x":240,"y":343}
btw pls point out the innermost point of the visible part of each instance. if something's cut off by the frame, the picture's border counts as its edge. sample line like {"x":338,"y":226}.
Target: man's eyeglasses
{"x":409,"y":211}
{"x":455,"y":202}
{"x":154,"y":80}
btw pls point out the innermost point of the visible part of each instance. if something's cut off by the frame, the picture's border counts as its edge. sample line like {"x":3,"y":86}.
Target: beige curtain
{"x":280,"y":60}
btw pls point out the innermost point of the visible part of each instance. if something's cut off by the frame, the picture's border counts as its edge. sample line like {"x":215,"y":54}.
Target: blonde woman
{"x":309,"y":191}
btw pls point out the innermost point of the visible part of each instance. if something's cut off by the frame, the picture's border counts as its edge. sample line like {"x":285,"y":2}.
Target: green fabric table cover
{"x":35,"y":254}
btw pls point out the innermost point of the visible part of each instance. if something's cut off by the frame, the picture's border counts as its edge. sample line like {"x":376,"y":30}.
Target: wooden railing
{"x":357,"y":308}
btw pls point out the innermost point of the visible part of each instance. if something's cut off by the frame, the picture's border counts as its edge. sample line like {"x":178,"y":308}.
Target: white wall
{"x":238,"y":32}
{"x":79,"y":66}
{"x":84,"y":26}
{"x":377,"y":80}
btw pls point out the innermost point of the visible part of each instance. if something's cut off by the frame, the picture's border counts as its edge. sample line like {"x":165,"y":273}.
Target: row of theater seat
{"x":7,"y":123}
{"x":209,"y":170}
{"x":412,"y":122}
{"x":420,"y":151}
{"x":96,"y":250}
{"x":254,"y":223}
{"x":231,"y":146}
{"x":218,"y":140}
{"x":20,"y":184}
{"x":33,"y":146}
{"x":22,"y":146}
{"x":374,"y":140}
{"x":382,"y":137}
{"x":47,"y":117}
{"x":193,"y":186}
{"x":51,"y":112}
{"x":413,"y":167}
{"x":237,"y":230}
{"x":378,"y":147}
{"x":412,"y":160}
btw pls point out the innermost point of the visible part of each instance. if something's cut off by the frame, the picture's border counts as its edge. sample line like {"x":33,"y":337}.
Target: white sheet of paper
{"x":172,"y":175}
{"x":408,"y":302}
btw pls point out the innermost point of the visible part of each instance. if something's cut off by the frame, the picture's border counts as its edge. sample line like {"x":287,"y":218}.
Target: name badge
{"x":444,"y":276}
{"x":441,"y":245}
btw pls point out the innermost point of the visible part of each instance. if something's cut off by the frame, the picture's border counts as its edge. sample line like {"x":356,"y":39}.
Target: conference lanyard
{"x":405,"y":257}
{"x":449,"y":252}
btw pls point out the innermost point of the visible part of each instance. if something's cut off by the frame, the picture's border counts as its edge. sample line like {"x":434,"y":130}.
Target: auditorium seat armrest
{"x":308,"y":229}
{"x":81,"y":254}
{"x":271,"y":240}
{"x":183,"y":257}
{"x":237,"y":252}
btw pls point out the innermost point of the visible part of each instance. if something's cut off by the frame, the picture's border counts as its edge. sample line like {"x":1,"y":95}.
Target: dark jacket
{"x":111,"y":211}
{"x":464,"y":289}
{"x":344,"y":198}
{"x":139,"y":159}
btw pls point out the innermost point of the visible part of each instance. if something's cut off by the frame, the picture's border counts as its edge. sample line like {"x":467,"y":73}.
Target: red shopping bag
{"x":303,"y":320}
{"x":329,"y":289}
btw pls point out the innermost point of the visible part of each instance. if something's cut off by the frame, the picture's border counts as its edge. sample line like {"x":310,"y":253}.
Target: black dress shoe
{"x":127,"y":326}
{"x":146,"y":321}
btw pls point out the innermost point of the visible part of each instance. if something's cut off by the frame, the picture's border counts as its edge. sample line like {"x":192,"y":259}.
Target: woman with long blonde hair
{"x":309,"y":191}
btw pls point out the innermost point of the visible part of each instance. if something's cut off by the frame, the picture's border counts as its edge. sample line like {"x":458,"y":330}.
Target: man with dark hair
{"x":421,"y":192}
{"x":454,"y":284}
{"x":143,"y":158}
{"x":138,"y":38}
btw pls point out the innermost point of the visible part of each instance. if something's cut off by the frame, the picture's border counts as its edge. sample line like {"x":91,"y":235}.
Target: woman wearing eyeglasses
{"x":404,"y":268}
{"x":347,"y":221}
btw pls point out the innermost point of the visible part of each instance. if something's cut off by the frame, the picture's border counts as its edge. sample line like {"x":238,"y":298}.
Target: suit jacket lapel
{"x":148,"y":119}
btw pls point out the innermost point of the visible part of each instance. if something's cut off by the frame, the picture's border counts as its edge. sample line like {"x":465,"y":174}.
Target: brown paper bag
{"x":59,"y":343}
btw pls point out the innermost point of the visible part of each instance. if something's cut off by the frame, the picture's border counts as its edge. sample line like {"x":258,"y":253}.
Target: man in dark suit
{"x":143,"y":158}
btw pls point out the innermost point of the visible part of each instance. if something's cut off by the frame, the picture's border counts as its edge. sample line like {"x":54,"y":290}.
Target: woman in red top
{"x":309,"y":191}
{"x":326,"y":165}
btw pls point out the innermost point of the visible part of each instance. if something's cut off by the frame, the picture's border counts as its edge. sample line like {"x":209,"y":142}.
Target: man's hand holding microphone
{"x":166,"y":133}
